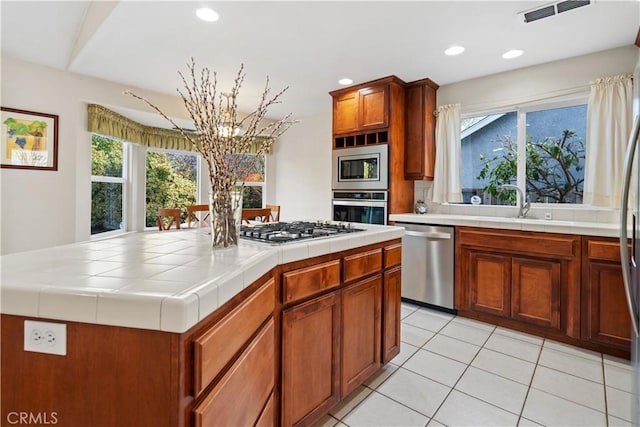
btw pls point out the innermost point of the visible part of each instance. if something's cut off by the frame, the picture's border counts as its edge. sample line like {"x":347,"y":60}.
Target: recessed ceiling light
{"x":207,"y":14}
{"x":514,"y":53}
{"x":454,"y":50}
{"x":345,"y":81}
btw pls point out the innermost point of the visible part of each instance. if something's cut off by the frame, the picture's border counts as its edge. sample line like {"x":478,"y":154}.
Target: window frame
{"x":123,"y":180}
{"x":521,"y":137}
{"x":199,"y":180}
{"x":262,"y":184}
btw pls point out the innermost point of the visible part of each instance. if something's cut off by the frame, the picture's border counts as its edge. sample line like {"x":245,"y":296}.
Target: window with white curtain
{"x":108,"y":184}
{"x":540,"y":149}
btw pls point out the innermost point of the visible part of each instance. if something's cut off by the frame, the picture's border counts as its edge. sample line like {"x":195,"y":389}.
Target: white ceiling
{"x":305,"y":45}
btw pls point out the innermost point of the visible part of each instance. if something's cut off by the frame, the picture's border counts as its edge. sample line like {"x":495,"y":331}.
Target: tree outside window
{"x":554,"y":162}
{"x":171,"y":182}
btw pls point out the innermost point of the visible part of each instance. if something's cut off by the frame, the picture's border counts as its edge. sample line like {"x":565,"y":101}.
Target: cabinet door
{"x":489,"y":283}
{"x":361,"y":326}
{"x":391,"y":294}
{"x":606,"y":318}
{"x":373,"y":111}
{"x":310,"y":359}
{"x":536,"y":292}
{"x":420,"y":147}
{"x":345,"y":113}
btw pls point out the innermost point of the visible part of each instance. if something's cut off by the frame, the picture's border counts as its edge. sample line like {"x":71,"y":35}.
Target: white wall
{"x":48,"y":208}
{"x":40,"y":209}
{"x":302,"y":172}
{"x":539,"y":81}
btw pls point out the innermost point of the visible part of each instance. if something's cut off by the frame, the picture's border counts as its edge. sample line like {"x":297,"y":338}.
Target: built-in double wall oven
{"x":360,"y":182}
{"x":369,"y":207}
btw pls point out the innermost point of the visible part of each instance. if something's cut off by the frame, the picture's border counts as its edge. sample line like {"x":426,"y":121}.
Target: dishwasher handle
{"x":430,"y":236}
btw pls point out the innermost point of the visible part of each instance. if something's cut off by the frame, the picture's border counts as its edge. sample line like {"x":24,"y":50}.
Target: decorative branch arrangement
{"x":216,"y":118}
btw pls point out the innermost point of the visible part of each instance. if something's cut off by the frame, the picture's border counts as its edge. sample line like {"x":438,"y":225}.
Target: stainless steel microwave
{"x":361,"y":168}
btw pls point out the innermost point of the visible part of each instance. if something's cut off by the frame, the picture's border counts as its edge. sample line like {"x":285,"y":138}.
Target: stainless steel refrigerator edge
{"x":428,"y":265}
{"x":629,"y":262}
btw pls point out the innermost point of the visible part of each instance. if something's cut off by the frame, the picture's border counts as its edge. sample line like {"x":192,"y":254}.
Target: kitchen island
{"x":163,"y":331}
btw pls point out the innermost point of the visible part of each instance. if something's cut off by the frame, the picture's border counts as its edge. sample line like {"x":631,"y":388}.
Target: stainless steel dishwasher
{"x":427,"y":265}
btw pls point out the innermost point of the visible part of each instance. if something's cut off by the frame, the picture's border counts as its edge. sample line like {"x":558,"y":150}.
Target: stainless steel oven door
{"x":367,"y":212}
{"x":361,"y":168}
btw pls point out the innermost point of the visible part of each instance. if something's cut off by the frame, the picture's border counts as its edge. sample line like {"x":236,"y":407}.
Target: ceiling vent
{"x":552,"y":9}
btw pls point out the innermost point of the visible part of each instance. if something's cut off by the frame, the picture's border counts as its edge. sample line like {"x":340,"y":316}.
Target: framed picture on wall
{"x":28,"y":140}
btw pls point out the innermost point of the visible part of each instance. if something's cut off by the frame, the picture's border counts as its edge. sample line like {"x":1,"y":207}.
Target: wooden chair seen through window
{"x":167,"y":217}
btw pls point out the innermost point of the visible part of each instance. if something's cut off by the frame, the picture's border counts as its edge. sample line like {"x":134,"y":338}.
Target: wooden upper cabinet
{"x":420,"y":129}
{"x":360,"y":109}
{"x":373,"y":107}
{"x":345,"y":113}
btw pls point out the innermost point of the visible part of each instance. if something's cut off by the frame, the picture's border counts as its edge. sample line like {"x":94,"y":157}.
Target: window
{"x":254,"y":178}
{"x":171,"y":182}
{"x":108,"y":161}
{"x":552,"y":169}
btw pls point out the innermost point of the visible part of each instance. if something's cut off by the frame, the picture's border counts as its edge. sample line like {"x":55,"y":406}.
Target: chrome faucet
{"x":524,"y":205}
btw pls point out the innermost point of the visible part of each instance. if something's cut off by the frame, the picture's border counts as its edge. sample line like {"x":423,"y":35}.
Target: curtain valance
{"x":106,"y":122}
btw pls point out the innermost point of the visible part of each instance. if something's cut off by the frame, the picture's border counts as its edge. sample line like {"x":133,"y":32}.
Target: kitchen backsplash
{"x":422,"y":191}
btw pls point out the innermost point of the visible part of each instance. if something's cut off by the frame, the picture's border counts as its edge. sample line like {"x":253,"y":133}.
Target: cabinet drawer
{"x":215,"y":348}
{"x":305,"y":282}
{"x":392,"y":255}
{"x":362,"y":264}
{"x":604,"y":251}
{"x":240,"y":396}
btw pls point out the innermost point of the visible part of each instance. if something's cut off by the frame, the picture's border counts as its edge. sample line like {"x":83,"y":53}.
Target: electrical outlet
{"x":45,"y":337}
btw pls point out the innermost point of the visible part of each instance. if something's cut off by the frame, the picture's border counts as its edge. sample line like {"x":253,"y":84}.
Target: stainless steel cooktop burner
{"x":283,"y":232}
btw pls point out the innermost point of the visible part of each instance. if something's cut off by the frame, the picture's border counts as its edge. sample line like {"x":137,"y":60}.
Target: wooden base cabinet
{"x":248,"y":384}
{"x":361,"y":325}
{"x":489,"y":282}
{"x":335,"y":335}
{"x":605,"y":317}
{"x":310,"y":359}
{"x":391,"y":293}
{"x":519,"y":276}
{"x":535,"y":292}
{"x":563,"y":287}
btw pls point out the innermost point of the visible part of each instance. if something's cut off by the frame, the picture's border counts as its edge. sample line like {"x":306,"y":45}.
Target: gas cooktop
{"x":284,"y":232}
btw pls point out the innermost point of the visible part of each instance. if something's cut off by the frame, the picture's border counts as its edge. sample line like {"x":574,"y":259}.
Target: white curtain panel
{"x":447,"y":178}
{"x":609,"y":121}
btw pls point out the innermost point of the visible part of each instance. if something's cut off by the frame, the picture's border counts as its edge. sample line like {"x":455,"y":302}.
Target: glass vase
{"x":225,"y":210}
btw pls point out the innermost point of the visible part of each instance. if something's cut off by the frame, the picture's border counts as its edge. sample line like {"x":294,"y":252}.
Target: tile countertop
{"x":510,"y":223}
{"x":166,"y":281}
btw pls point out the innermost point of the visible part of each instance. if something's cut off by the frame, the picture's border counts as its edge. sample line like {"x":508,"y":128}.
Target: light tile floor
{"x":454,"y":371}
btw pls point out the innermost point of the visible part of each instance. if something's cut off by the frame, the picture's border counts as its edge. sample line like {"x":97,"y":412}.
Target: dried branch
{"x":213,"y":111}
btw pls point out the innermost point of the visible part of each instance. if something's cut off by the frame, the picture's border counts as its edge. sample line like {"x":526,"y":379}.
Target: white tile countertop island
{"x":165,"y":281}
